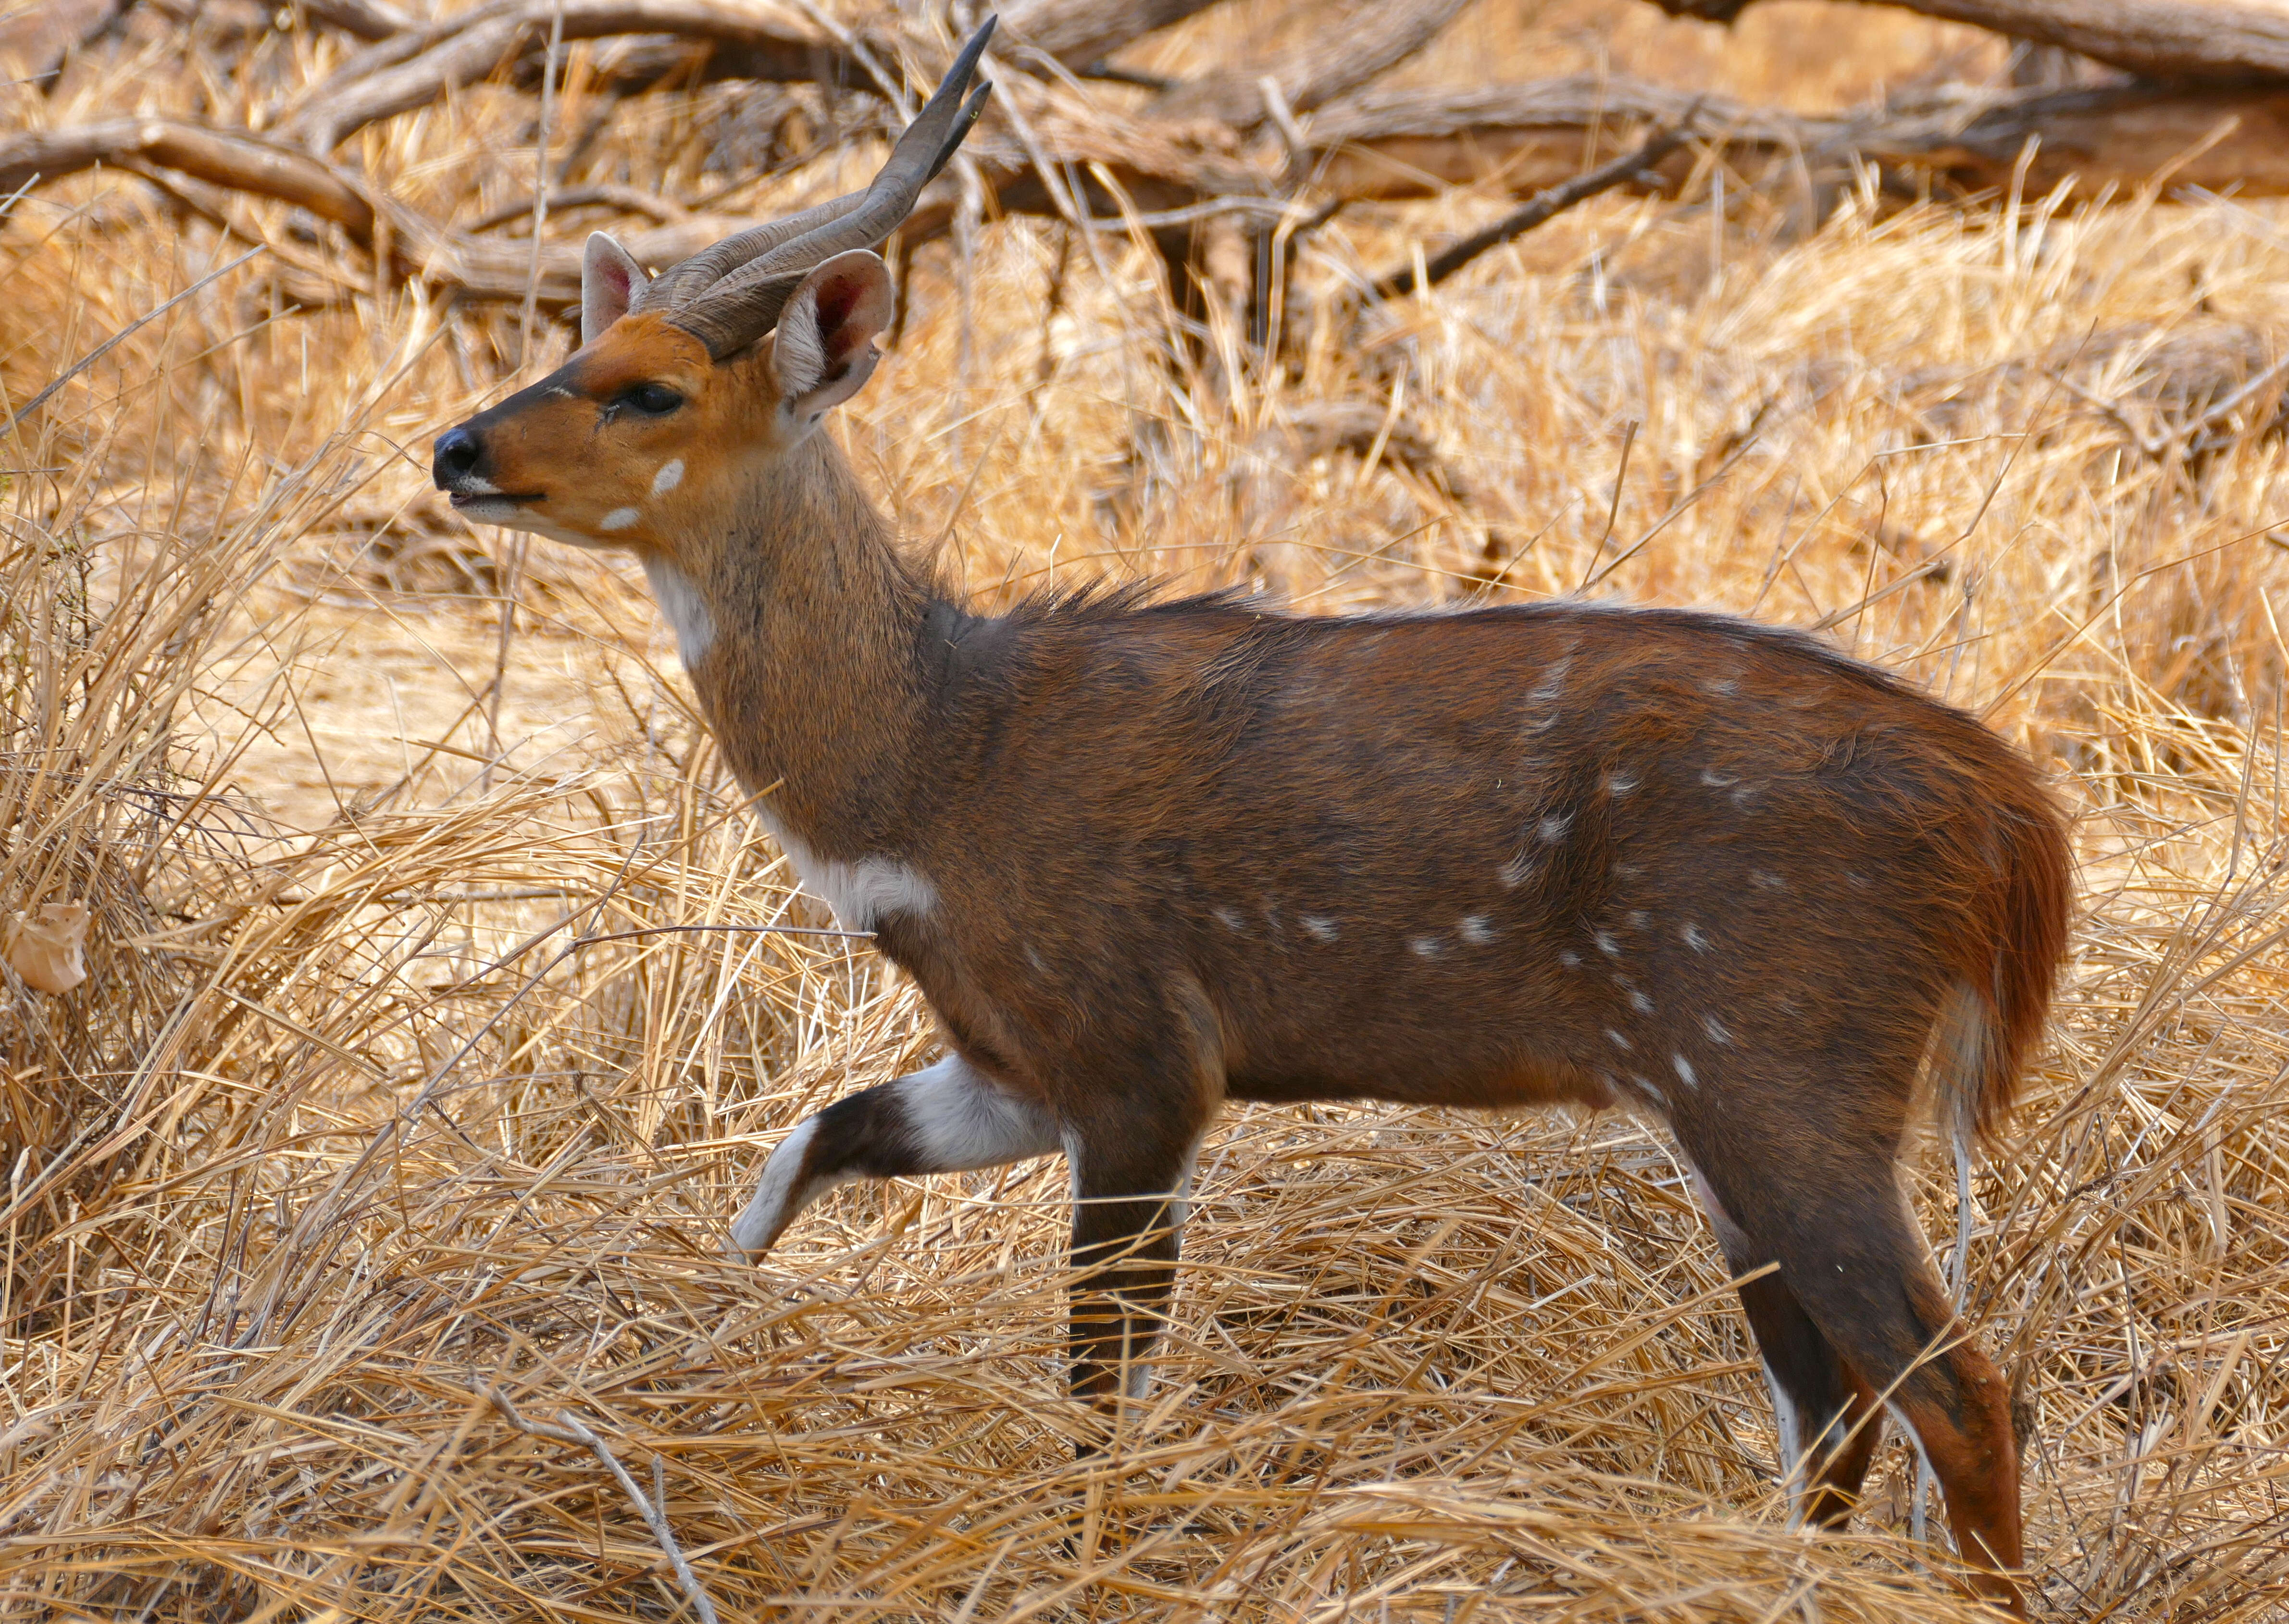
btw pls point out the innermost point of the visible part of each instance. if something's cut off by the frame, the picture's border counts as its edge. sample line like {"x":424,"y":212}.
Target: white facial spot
{"x":1427,"y":947}
{"x":619,"y":519}
{"x":670,"y":475}
{"x":1606,"y":944}
{"x":1552,"y":829}
{"x":679,"y":600}
{"x":1617,"y":785}
{"x":1695,"y":939}
{"x":1639,"y":1002}
{"x":1477,"y":930}
{"x":1571,"y":959}
{"x":1229,"y":918}
{"x":1619,"y":1041}
{"x":1685,"y":1070}
{"x":1715,"y":1028}
{"x":1319,"y":928}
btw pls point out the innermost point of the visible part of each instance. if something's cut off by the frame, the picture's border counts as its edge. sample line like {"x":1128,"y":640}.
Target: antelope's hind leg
{"x":1829,"y":1422}
{"x":948,"y":1117}
{"x":1851,"y":1255}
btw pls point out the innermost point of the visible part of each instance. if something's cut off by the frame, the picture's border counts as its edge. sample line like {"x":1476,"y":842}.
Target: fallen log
{"x":2159,"y":39}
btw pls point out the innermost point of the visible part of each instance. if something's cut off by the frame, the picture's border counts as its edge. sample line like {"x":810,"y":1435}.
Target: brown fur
{"x":1191,"y":851}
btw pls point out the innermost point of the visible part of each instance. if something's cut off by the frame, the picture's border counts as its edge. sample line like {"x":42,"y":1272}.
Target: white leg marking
{"x":1791,"y":1446}
{"x":962,"y":1120}
{"x":670,"y":475}
{"x":679,"y":600}
{"x":777,"y":1199}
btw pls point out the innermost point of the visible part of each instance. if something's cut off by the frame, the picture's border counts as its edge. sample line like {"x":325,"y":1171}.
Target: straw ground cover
{"x":433,"y":1030}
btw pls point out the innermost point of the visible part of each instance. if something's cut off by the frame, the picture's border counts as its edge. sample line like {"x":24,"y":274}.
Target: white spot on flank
{"x":670,"y":475}
{"x":1771,"y":882}
{"x":1645,"y":1087}
{"x":1606,"y":944}
{"x":1619,"y":1041}
{"x":1319,"y":928}
{"x":1229,"y":918}
{"x":619,"y":519}
{"x":1719,"y":781}
{"x":861,"y":892}
{"x":1034,"y":958}
{"x":1477,"y":930}
{"x":1684,"y":1071}
{"x":1552,"y":684}
{"x":1571,"y":959}
{"x":1695,"y":939}
{"x":1715,"y":1028}
{"x":1515,"y":873}
{"x":1639,"y":919}
{"x":679,"y":600}
{"x":1619,"y":785}
{"x":1639,"y":1002}
{"x":1727,"y":686}
{"x":1552,"y":829}
{"x":1427,"y":947}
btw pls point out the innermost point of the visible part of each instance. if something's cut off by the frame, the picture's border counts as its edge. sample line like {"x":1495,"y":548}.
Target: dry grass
{"x":359,"y":1116}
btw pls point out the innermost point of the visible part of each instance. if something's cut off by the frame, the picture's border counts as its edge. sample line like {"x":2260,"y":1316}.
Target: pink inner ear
{"x":836,"y":301}
{"x":616,"y":275}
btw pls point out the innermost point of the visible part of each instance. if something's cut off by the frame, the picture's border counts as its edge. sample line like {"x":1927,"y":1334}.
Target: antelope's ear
{"x":825,"y":344}
{"x":610,"y":280}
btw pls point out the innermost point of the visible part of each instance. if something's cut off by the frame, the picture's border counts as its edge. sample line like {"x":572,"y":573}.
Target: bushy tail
{"x":1995,"y":1012}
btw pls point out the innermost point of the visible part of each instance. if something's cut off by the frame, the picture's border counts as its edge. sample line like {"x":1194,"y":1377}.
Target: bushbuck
{"x":1143,"y":857}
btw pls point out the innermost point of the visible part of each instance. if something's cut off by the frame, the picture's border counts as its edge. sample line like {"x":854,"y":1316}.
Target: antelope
{"x":1144,"y":856}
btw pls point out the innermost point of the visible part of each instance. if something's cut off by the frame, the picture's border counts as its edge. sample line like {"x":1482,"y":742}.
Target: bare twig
{"x":1542,"y":207}
{"x":569,"y":1430}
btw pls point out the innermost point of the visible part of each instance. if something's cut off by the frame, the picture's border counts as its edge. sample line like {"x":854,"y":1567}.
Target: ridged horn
{"x":730,"y":295}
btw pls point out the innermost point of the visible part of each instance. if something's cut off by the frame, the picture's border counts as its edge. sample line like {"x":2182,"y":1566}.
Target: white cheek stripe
{"x":619,"y":519}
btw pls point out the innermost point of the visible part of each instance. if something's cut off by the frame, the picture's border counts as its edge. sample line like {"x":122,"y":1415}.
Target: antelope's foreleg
{"x":949,"y":1118}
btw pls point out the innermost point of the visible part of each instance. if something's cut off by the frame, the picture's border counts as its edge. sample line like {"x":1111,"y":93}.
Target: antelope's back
{"x":1511,"y":854}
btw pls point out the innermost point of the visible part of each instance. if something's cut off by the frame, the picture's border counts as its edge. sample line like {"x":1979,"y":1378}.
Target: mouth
{"x":486,"y":498}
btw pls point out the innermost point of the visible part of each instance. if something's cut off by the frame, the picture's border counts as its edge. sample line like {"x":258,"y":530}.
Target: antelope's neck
{"x":799,"y":626}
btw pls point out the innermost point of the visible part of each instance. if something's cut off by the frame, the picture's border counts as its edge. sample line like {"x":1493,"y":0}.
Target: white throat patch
{"x":679,"y":600}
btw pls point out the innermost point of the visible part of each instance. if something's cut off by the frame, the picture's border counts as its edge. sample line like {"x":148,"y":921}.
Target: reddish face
{"x":637,"y":439}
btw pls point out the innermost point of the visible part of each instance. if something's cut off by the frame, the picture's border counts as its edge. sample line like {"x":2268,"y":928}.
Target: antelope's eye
{"x":653,"y":399}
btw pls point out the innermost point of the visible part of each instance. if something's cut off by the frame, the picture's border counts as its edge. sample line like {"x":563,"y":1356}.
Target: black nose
{"x":458,"y":453}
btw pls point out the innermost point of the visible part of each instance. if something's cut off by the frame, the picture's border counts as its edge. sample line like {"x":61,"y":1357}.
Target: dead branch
{"x":411,"y":70}
{"x":1077,"y":33}
{"x":1390,"y":144}
{"x":2161,"y":39}
{"x":1357,"y":44}
{"x":364,"y":19}
{"x":571,"y":1431}
{"x":1630,"y":167}
{"x":418,"y":248}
